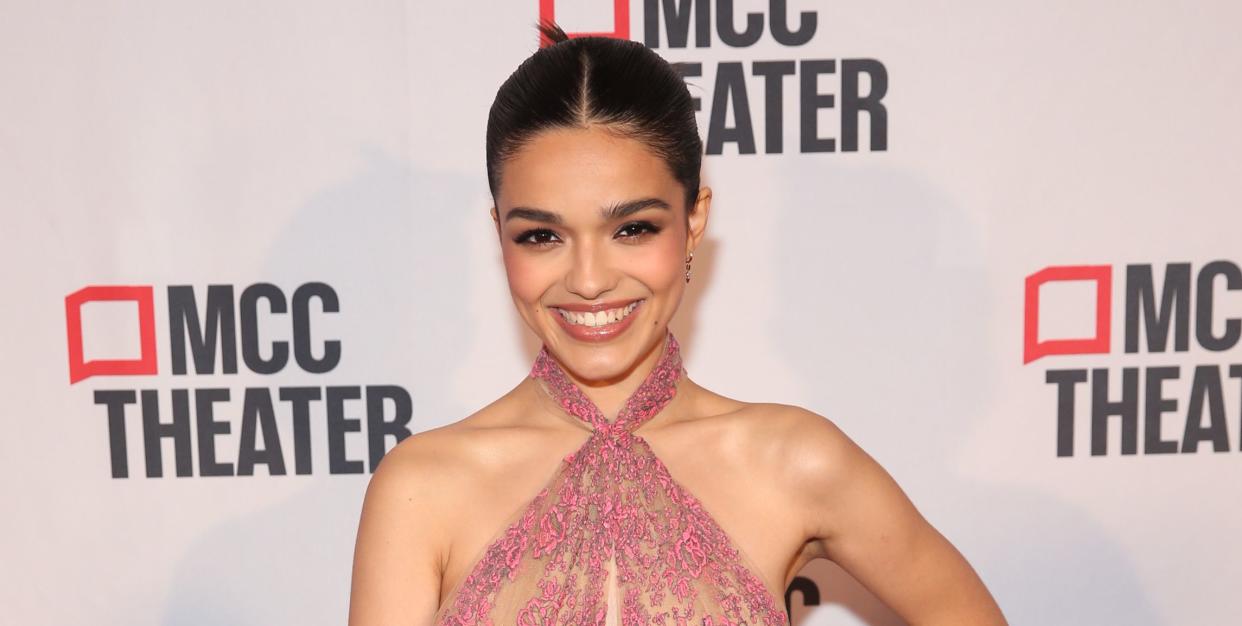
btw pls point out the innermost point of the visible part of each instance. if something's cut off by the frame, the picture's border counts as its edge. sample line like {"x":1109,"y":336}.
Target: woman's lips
{"x":604,"y":332}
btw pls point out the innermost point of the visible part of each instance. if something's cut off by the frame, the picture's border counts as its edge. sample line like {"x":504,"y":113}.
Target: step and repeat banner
{"x":247,"y":249}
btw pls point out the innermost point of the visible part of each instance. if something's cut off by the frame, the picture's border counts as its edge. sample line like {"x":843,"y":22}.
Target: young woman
{"x":607,"y":487}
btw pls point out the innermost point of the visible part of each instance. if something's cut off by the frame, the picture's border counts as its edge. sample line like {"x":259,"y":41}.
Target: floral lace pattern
{"x":612,"y":538}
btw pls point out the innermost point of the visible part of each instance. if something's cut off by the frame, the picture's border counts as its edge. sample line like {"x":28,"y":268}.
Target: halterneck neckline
{"x":595,"y":541}
{"x":657,"y":390}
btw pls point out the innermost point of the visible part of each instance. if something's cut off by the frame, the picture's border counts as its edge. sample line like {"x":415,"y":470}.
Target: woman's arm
{"x":864,"y":522}
{"x":396,"y":573}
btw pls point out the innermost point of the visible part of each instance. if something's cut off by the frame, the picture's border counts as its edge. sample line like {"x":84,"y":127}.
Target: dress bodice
{"x":612,"y":538}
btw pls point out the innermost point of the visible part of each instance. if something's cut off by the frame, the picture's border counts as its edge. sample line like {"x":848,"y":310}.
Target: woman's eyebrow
{"x":609,"y":213}
{"x":618,"y":211}
{"x":534,"y":215}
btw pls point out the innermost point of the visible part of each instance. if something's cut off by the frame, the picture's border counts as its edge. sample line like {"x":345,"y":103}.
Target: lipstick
{"x":580,"y":327}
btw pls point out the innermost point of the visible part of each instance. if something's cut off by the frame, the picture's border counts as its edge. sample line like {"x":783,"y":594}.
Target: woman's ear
{"x":496,"y":219}
{"x":698,"y":218}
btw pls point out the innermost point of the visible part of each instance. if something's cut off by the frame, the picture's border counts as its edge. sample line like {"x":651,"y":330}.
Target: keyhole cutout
{"x":612,"y":617}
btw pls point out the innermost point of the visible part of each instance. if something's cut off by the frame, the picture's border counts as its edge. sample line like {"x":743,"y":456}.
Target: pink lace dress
{"x":612,"y":538}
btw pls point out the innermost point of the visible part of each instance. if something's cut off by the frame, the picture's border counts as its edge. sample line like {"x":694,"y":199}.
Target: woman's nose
{"x":591,"y":272}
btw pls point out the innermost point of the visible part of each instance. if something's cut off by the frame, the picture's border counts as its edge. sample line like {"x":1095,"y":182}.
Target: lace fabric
{"x":612,"y":538}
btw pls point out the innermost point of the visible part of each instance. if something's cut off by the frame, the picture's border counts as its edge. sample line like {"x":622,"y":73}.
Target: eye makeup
{"x":539,"y":237}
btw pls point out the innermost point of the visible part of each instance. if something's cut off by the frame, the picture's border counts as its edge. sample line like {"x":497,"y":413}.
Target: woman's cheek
{"x":662,"y":264}
{"x":525,"y":273}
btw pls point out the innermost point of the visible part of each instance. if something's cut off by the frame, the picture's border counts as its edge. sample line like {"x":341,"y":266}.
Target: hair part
{"x":582,"y":82}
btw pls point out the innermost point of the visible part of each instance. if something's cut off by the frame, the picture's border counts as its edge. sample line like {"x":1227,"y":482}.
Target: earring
{"x":688,"y":259}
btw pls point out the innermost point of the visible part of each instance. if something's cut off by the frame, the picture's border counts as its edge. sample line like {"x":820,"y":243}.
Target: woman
{"x":607,"y":487}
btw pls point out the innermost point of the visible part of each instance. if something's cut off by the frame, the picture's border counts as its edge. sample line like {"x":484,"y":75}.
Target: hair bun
{"x":552,"y":32}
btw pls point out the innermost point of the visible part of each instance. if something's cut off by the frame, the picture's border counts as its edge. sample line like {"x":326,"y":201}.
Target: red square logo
{"x":1032,"y":347}
{"x":620,"y":21}
{"x":79,"y":368}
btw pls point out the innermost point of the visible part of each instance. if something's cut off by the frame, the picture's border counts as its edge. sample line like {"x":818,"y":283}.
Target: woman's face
{"x":591,"y":220}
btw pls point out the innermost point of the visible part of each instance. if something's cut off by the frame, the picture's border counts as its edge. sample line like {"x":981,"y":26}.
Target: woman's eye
{"x":635,"y":230}
{"x":535,"y":237}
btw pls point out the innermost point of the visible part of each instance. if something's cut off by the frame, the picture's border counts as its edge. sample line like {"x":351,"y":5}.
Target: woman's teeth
{"x":598,"y":319}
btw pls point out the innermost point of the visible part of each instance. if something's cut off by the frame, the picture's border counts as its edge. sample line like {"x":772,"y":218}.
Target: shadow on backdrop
{"x":390,"y":241}
{"x":893,"y":270}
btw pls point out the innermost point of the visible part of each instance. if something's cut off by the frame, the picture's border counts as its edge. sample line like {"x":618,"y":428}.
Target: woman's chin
{"x":602,"y":362}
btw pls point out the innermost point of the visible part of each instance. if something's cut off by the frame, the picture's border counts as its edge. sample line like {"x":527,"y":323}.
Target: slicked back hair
{"x":586,"y":81}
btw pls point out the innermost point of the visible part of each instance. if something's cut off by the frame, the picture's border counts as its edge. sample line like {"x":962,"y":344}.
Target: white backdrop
{"x":238,"y":143}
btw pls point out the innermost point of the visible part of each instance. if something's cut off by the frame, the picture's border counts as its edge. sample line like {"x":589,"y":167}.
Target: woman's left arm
{"x":864,"y":522}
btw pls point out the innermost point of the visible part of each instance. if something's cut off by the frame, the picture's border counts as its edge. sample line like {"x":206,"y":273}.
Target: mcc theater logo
{"x":274,"y":424}
{"x":1157,"y":318}
{"x":707,"y":24}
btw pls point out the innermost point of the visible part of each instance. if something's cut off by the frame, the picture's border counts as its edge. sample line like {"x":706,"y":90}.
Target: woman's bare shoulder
{"x":406,"y":527}
{"x":807,"y":448}
{"x":447,"y":465}
{"x":779,"y":423}
{"x":797,"y":441}
{"x":439,"y":458}
{"x":839,"y":484}
{"x":418,"y":475}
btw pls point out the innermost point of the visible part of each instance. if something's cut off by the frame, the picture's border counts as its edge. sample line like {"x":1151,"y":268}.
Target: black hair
{"x":616,"y":83}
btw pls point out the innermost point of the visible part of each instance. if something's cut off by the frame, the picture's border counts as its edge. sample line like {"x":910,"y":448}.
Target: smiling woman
{"x":586,"y":322}
{"x":607,"y":487}
{"x":621,"y":239}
